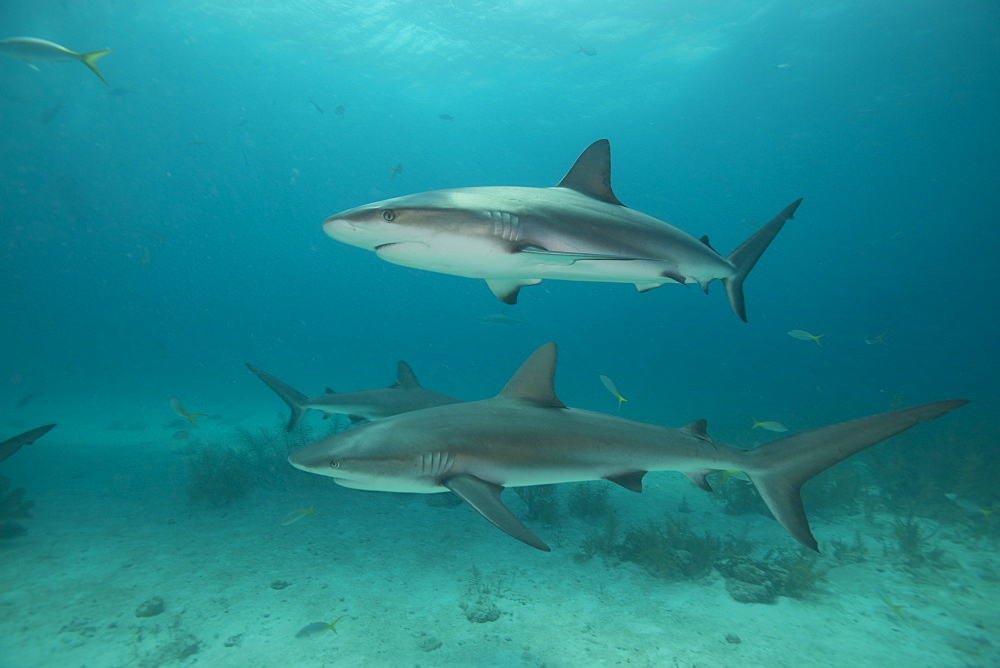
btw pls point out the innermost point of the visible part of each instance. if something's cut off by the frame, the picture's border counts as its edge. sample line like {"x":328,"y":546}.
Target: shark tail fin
{"x":90,"y":60}
{"x":288,"y":394}
{"x":779,"y":468}
{"x":745,"y":257}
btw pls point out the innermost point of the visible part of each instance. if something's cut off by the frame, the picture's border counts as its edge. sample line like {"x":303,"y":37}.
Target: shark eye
{"x":388,"y":215}
{"x":334,"y":464}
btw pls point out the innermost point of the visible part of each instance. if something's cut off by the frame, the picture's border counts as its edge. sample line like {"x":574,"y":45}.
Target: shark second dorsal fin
{"x":590,"y":175}
{"x":405,"y":379}
{"x":533,"y":382}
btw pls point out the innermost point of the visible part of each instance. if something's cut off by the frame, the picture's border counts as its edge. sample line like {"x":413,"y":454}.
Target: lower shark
{"x":527,"y":436}
{"x":405,"y":395}
{"x":577,"y":231}
{"x":12,"y":445}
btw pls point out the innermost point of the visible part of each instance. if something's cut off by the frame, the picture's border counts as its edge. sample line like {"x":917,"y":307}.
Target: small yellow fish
{"x":770,"y":425}
{"x":971,"y":506}
{"x":726,"y":475}
{"x":610,"y":384}
{"x":297,"y":515}
{"x":806,"y":336}
{"x":32,"y":50}
{"x":898,"y":609}
{"x":872,"y":340}
{"x":316,"y":627}
{"x":175,"y":403}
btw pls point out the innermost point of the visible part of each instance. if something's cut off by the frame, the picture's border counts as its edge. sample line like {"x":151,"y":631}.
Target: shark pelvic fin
{"x":506,"y":289}
{"x":288,"y":394}
{"x":405,"y":378}
{"x":632,"y":481}
{"x":779,"y":468}
{"x":590,"y":175}
{"x":484,"y":497}
{"x":746,"y":255}
{"x":533,"y":382}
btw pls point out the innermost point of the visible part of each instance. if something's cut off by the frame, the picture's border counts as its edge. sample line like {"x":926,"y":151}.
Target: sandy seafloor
{"x":113,"y":527}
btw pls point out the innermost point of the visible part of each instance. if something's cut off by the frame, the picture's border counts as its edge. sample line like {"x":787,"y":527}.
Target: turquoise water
{"x":160,"y":232}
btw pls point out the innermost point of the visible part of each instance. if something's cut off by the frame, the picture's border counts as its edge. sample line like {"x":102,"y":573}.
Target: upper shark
{"x":578,"y":231}
{"x":526,"y":436}
{"x":405,"y":395}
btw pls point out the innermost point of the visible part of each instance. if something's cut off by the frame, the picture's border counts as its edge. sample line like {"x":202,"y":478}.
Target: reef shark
{"x":526,"y":436}
{"x":12,"y":445}
{"x":405,"y":395}
{"x":577,"y":231}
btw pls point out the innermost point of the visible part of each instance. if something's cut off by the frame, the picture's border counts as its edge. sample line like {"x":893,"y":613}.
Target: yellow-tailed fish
{"x":32,"y":50}
{"x":297,"y":515}
{"x":770,"y":425}
{"x":610,"y":384}
{"x":806,"y":336}
{"x":872,"y":340}
{"x":971,"y":506}
{"x":726,"y":475}
{"x":316,"y":627}
{"x":175,"y":403}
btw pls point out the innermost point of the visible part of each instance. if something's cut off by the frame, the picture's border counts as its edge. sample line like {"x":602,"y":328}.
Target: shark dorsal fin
{"x":533,"y":382}
{"x":590,"y":175}
{"x":698,"y":429}
{"x":405,"y":378}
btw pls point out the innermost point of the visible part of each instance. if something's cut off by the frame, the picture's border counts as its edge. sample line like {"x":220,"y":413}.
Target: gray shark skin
{"x":12,"y":445}
{"x":526,"y":436}
{"x":403,"y":396}
{"x":516,"y":236}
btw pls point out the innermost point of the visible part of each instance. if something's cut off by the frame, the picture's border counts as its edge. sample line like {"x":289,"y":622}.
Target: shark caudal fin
{"x":288,"y":394}
{"x":745,"y":257}
{"x":90,"y":60}
{"x":779,"y":468}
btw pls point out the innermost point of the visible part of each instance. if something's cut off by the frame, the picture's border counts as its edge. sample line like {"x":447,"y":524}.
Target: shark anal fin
{"x":506,"y":289}
{"x":484,"y":497}
{"x":590,"y":175}
{"x":700,"y":478}
{"x":632,"y":481}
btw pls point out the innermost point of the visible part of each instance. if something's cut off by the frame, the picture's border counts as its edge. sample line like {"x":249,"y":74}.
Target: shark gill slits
{"x":388,"y":215}
{"x":506,"y":226}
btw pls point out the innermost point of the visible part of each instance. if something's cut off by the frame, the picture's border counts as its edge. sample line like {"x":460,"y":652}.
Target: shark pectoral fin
{"x":632,"y":481}
{"x":484,"y":497}
{"x":699,"y":477}
{"x":506,"y":289}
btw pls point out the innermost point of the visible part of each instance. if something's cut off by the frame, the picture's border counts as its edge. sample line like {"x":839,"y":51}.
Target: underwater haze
{"x":163,"y":230}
